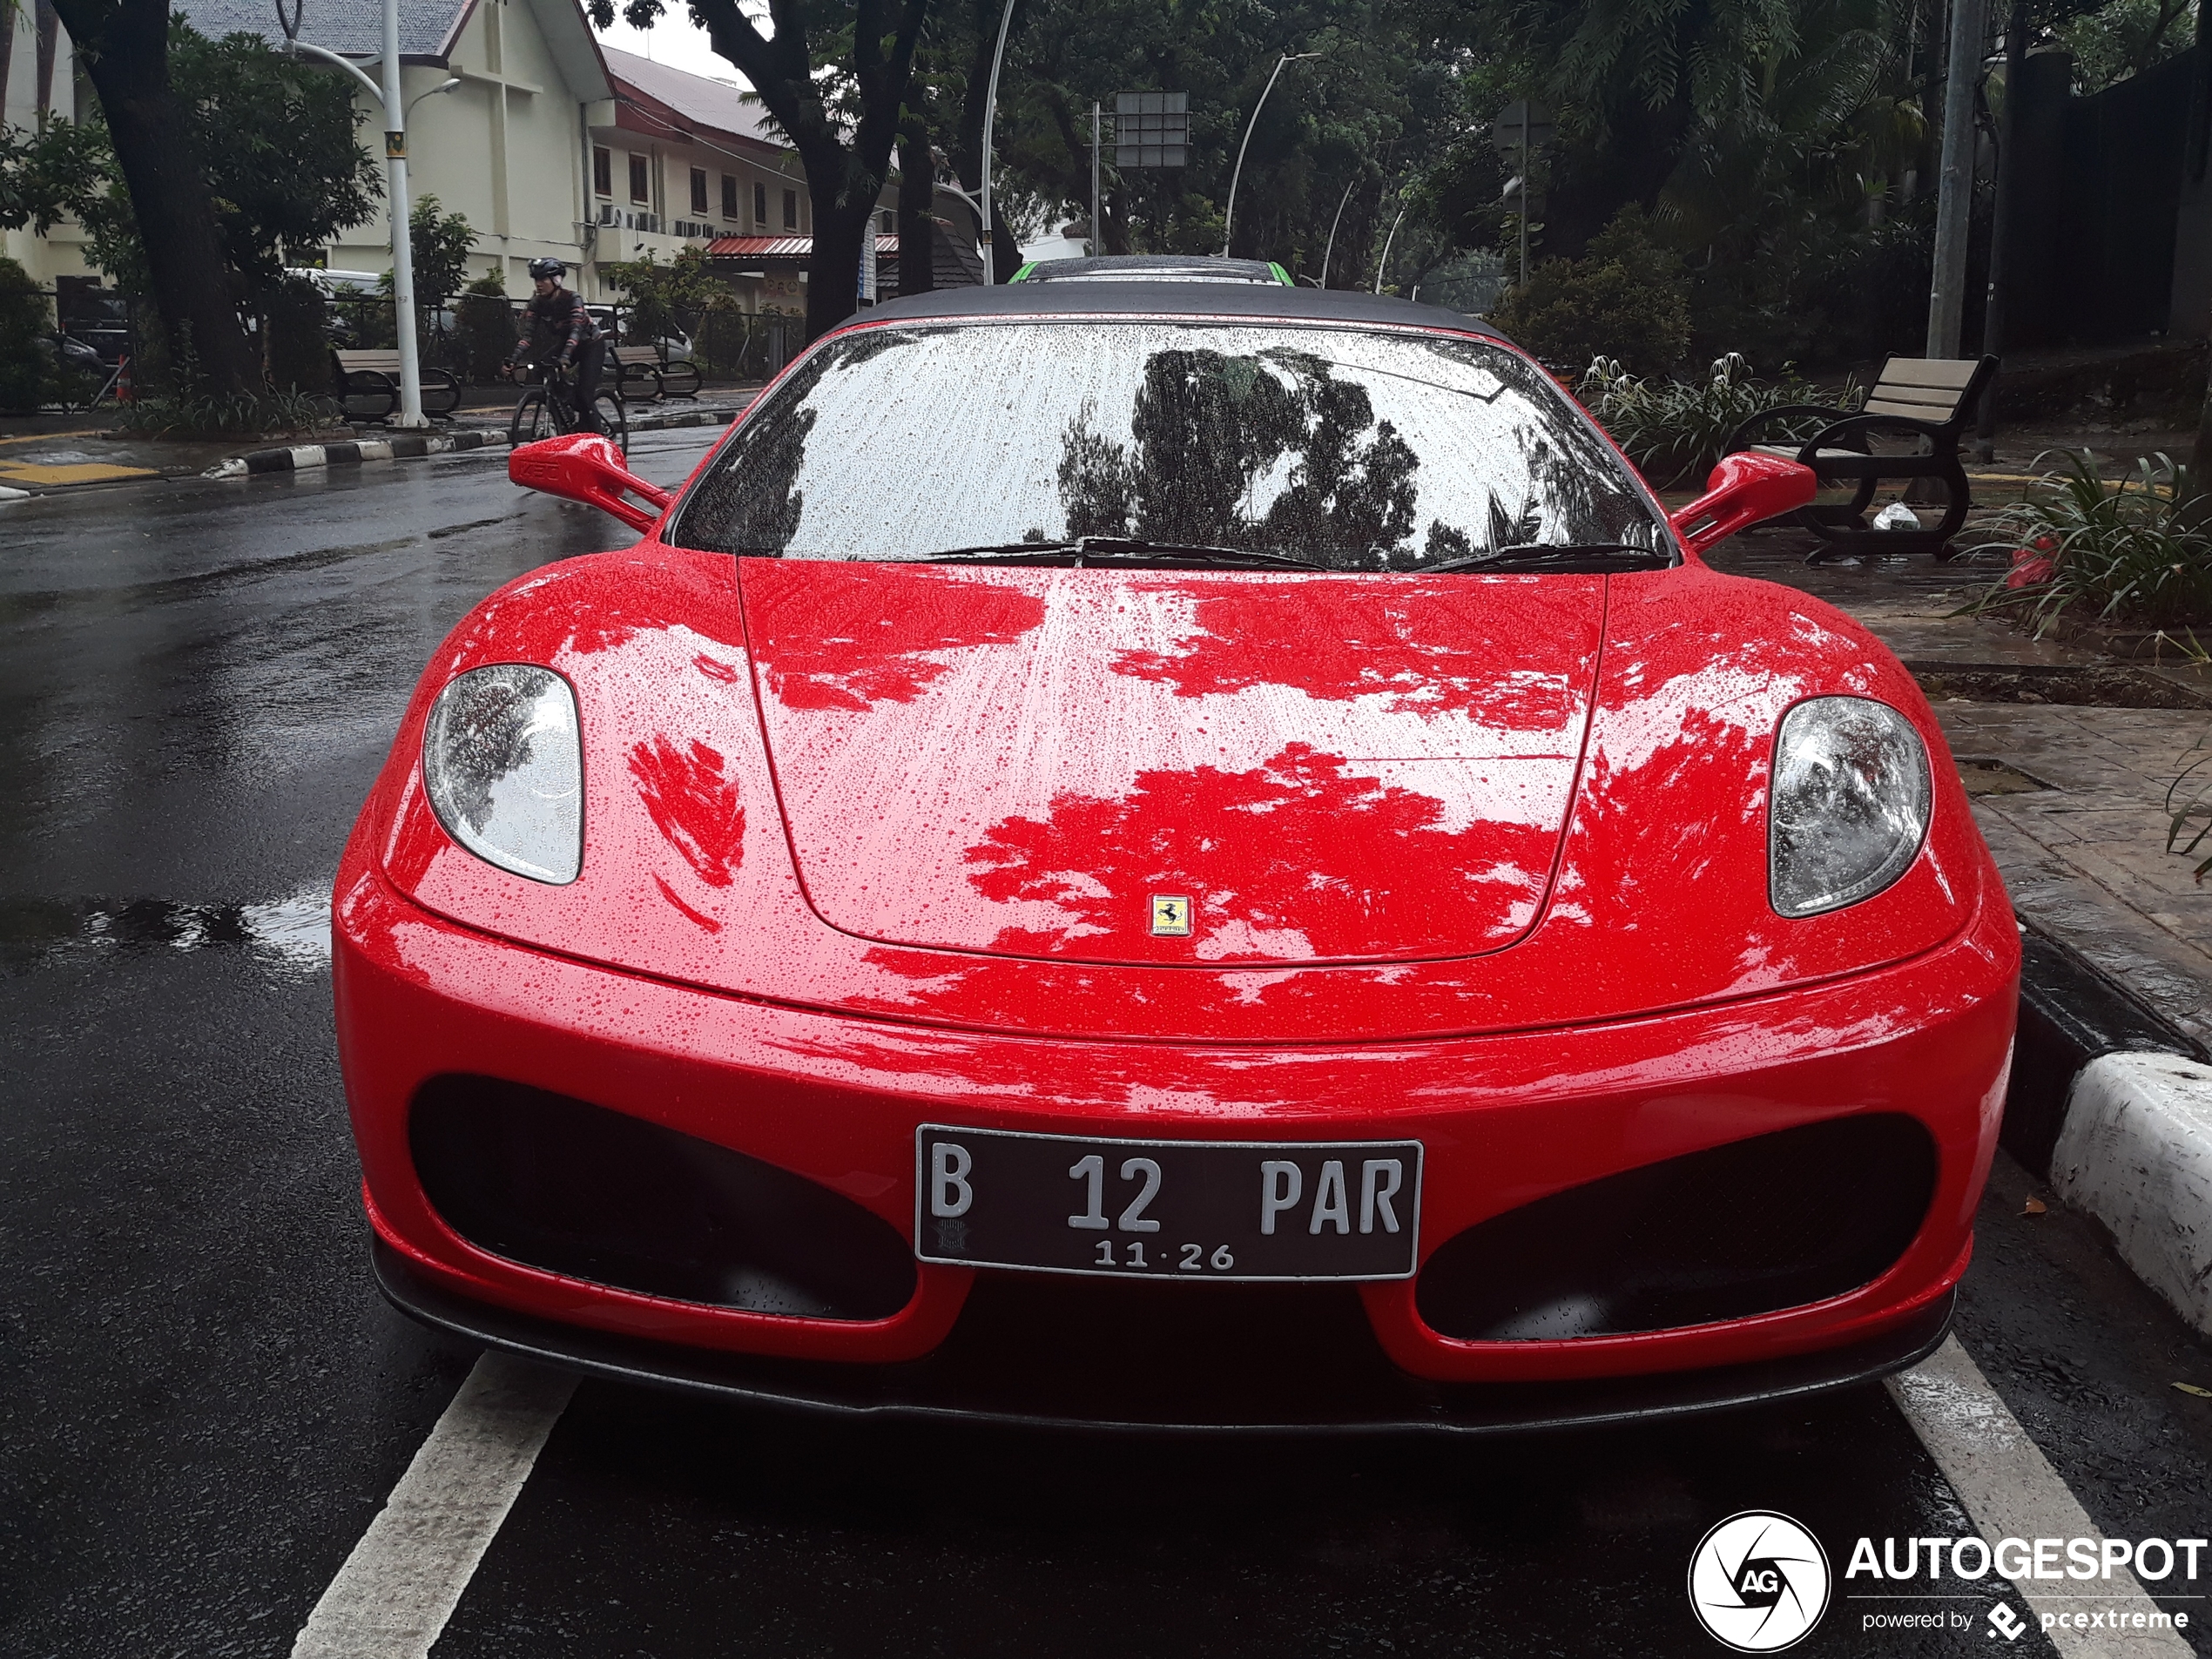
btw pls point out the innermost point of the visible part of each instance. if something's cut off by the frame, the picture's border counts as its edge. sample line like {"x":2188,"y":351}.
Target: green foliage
{"x":2189,"y":803}
{"x":277,"y":137}
{"x":1676,"y":430}
{"x":2139,"y":551}
{"x":1626,"y":299}
{"x":187,"y":410}
{"x":27,"y":360}
{"x":441,"y":243}
{"x":46,"y":173}
{"x":664,"y":298}
{"x":487,"y":325}
{"x":2126,"y":37}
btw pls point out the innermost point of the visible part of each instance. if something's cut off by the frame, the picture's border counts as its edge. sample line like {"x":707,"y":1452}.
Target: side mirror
{"x":1745,"y":489}
{"x":588,"y":468}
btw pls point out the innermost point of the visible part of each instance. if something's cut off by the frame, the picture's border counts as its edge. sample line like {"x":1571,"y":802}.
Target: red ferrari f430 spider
{"x":1179,"y":854}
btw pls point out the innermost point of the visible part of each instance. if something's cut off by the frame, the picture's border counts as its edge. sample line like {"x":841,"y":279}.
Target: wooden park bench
{"x":1925,"y":402}
{"x":649,"y":366}
{"x":373,"y":378}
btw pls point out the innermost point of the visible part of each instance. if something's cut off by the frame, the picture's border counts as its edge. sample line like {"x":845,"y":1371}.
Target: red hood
{"x":1020,"y":761}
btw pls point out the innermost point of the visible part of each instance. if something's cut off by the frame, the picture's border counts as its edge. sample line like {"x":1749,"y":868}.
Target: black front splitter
{"x":1291,"y":1364}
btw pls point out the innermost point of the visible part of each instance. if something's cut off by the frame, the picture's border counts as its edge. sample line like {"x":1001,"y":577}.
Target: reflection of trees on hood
{"x":1208,"y":428}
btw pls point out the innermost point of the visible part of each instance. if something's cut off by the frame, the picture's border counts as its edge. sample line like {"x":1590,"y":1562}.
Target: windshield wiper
{"x":1114,"y":550}
{"x":1579,"y":558}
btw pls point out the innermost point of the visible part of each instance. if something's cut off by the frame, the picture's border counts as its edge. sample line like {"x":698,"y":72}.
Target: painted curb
{"x":2113,"y":1106}
{"x":2136,"y":1153}
{"x":409,"y":446}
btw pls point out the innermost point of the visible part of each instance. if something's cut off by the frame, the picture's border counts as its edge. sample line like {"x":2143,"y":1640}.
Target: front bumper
{"x":1508,"y":1119}
{"x":1275,"y":1375}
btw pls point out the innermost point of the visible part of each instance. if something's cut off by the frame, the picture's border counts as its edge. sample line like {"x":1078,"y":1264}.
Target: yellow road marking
{"x":55,"y":437}
{"x":87,"y":472}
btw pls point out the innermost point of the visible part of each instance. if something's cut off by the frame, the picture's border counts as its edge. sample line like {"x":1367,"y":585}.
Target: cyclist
{"x":559,"y":331}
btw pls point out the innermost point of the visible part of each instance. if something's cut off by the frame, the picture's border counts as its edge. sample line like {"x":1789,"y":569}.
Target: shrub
{"x":27,"y":358}
{"x":487,"y":327}
{"x":1626,"y":298}
{"x":1676,"y":430}
{"x":2139,"y":551}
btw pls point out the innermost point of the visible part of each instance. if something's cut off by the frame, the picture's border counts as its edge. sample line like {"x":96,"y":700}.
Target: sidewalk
{"x":45,"y":454}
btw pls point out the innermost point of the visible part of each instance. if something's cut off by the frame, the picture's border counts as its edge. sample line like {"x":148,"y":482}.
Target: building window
{"x":889,"y":219}
{"x":759,"y":205}
{"x":641,"y":184}
{"x":603,"y":170}
{"x":791,"y":210}
{"x":729,"y":197}
{"x":698,"y":192}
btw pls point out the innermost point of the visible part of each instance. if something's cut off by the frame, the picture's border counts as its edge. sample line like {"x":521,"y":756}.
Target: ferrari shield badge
{"x":1170,"y":915}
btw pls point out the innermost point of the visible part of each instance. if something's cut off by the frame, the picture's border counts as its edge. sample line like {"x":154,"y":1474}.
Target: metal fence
{"x":469,"y":340}
{"x":90,"y":333}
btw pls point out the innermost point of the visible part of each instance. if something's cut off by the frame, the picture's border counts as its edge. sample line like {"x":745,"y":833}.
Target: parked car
{"x":1266,"y":883}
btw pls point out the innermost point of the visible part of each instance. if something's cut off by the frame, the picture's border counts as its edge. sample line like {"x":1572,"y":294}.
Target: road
{"x":203,"y":1403}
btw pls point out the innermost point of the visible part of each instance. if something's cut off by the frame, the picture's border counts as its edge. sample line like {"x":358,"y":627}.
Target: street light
{"x":387,"y":95}
{"x":990,"y":114}
{"x":1229,"y":214}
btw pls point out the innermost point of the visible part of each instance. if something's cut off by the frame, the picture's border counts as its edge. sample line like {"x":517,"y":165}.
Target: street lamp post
{"x":387,"y":95}
{"x":1229,"y":214}
{"x":1333,"y":223}
{"x":990,"y":116}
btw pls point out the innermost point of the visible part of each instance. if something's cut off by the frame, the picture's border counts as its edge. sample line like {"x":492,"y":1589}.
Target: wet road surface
{"x":203,"y":1403}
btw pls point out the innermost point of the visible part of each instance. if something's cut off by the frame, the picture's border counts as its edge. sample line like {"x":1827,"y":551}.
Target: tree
{"x":124,"y":46}
{"x":439,"y":243}
{"x":835,"y":74}
{"x":666,"y":298}
{"x":282,"y":171}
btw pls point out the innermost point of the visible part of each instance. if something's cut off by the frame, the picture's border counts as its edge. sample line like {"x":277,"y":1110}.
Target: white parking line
{"x":399,"y":1585}
{"x":2012,"y":1491}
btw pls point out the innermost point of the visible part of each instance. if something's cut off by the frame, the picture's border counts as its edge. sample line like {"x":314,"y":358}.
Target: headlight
{"x":1848,"y":805}
{"x":505,"y":769}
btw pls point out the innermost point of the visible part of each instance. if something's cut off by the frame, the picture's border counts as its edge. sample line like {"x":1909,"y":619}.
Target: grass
{"x":2137,"y":551}
{"x":1676,"y":430}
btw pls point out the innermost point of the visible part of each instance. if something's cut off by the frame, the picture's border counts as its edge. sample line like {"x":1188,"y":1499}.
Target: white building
{"x":551,"y":145}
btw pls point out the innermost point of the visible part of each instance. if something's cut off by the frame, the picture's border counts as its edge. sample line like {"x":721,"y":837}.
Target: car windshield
{"x":1343,"y":448}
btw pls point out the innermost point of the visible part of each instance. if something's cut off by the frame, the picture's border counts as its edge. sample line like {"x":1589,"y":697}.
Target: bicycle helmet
{"x":542,"y":268}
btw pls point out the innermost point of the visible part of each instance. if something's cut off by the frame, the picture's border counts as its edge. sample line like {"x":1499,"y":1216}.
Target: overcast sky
{"x":673,"y":41}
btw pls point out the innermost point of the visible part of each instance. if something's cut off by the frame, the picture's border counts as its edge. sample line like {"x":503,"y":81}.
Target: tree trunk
{"x":833,"y":268}
{"x":917,"y":191}
{"x":126,"y":53}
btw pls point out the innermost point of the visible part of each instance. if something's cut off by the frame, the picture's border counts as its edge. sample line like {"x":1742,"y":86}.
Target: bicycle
{"x":546,"y":410}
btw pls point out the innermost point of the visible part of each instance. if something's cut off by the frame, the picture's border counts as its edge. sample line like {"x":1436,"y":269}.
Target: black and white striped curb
{"x":2112,"y":1105}
{"x":407,"y":445}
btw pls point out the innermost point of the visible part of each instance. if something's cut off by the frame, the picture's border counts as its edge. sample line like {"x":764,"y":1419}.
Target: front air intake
{"x":574,"y":1189}
{"x":1753,"y":1227}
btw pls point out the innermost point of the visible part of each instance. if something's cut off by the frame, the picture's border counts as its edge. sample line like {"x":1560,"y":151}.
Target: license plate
{"x":1176,"y":1209}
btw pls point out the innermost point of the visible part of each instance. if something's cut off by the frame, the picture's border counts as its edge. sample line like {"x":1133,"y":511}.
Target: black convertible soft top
{"x":1174,"y":299}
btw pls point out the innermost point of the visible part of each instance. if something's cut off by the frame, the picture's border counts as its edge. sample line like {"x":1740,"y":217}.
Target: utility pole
{"x":1996,"y":304}
{"x":1955,"y":179}
{"x":1098,"y":226}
